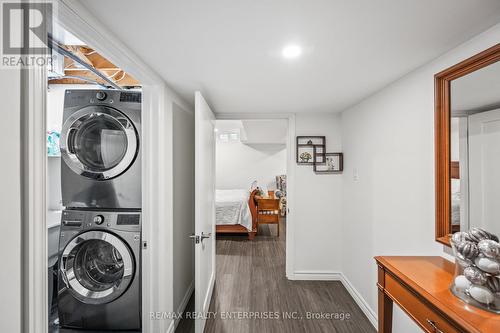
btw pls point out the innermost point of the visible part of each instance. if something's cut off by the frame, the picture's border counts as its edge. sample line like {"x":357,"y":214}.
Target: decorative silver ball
{"x":468,"y":250}
{"x":489,"y":248}
{"x":488,"y":265}
{"x":493,"y":284}
{"x":475,"y":275}
{"x":477,"y":234}
{"x":458,"y":237}
{"x":481,"y":294}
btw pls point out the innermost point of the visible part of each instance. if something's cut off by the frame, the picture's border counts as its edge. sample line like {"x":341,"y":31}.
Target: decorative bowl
{"x":477,"y":269}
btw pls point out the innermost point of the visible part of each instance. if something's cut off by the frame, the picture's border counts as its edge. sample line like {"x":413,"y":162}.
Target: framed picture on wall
{"x":310,"y":149}
{"x":332,"y":163}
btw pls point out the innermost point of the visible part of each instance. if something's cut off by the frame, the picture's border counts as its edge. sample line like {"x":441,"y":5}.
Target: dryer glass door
{"x":99,"y":142}
{"x":97,"y":267}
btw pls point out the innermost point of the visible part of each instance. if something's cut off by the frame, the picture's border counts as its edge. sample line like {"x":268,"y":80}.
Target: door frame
{"x":156,"y":142}
{"x":290,"y":177}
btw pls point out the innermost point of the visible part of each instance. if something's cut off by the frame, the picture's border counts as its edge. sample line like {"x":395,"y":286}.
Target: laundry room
{"x":93,"y":211}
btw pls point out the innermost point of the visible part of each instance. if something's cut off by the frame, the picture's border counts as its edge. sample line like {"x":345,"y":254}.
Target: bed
{"x":236,"y":212}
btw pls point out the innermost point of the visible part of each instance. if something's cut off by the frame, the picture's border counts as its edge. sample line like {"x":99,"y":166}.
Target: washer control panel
{"x":81,"y":220}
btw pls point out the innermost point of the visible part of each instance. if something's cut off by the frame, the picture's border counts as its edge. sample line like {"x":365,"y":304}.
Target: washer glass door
{"x":97,"y":267}
{"x":99,"y":142}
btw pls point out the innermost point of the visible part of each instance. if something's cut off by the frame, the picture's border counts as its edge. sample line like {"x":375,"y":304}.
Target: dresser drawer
{"x":268,"y":218}
{"x":419,"y":311}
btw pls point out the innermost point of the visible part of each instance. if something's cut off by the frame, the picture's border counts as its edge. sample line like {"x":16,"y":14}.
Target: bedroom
{"x":251,"y":158}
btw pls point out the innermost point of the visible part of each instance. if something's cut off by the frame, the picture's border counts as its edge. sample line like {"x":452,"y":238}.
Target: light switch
{"x":355,"y":174}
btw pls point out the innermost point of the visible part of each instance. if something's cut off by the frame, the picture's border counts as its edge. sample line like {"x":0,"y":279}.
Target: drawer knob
{"x":434,"y":326}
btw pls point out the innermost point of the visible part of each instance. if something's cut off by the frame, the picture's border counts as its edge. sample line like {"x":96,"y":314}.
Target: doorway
{"x":156,"y":97}
{"x":251,"y":159}
{"x":206,"y":134}
{"x":93,"y":180}
{"x":275,"y":140}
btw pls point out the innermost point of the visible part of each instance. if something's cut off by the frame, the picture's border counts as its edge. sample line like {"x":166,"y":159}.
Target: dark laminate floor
{"x":251,"y":278}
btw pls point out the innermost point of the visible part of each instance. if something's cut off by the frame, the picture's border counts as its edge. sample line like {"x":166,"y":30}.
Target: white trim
{"x":34,"y":229}
{"x":316,"y":276}
{"x":360,"y":301}
{"x":339,"y":276}
{"x":200,"y":323}
{"x":208,"y":299}
{"x":290,"y":198}
{"x":290,"y":174}
{"x":182,"y":307}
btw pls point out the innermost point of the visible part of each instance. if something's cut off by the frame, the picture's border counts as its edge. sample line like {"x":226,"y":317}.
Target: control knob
{"x":101,"y":95}
{"x":98,"y":219}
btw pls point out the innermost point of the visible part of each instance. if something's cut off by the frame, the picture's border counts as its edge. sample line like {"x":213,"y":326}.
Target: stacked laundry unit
{"x":99,"y":279}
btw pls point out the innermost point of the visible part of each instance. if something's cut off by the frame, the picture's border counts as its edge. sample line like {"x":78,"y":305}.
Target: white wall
{"x":183,"y":205}
{"x":317,"y":209}
{"x":55,"y":109}
{"x":10,"y":201}
{"x":239,"y":164}
{"x":389,"y":138}
{"x":55,"y":102}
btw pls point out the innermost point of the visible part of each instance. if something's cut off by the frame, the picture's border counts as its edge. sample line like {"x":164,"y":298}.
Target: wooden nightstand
{"x":268,"y":211}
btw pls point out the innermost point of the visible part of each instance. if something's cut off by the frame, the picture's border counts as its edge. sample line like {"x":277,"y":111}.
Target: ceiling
{"x":231,"y":50}
{"x":477,"y":91}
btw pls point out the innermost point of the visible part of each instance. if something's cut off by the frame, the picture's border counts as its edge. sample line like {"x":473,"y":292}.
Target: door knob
{"x":199,"y":238}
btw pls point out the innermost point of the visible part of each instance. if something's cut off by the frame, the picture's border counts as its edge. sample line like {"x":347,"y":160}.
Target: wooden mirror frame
{"x":442,"y":83}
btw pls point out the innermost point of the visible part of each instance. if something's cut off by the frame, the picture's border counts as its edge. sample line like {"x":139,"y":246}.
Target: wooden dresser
{"x":420,"y":286}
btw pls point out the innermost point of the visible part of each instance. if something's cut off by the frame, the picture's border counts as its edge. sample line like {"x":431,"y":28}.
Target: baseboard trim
{"x":339,"y":276}
{"x":208,"y":299}
{"x":360,"y":301}
{"x":316,"y":276}
{"x":182,"y":307}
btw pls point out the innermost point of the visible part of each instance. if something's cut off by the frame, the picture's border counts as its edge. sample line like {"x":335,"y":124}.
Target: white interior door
{"x":204,"y":207}
{"x":463,"y":138}
{"x":484,"y":173}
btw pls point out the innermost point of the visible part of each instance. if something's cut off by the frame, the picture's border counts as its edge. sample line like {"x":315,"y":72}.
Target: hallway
{"x":251,"y":278}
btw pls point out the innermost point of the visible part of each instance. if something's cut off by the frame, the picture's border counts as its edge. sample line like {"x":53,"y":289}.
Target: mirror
{"x":468,"y":146}
{"x":475,"y":150}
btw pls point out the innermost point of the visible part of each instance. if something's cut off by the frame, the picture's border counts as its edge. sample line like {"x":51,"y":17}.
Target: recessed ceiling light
{"x":292,"y":51}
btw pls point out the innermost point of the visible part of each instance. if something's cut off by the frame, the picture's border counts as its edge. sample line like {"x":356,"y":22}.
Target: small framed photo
{"x":310,"y":149}
{"x":332,"y":163}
